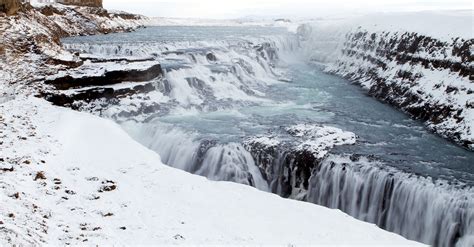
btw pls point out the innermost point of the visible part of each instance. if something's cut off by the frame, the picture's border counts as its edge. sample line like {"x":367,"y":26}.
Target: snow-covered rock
{"x":72,"y":178}
{"x":287,"y":158}
{"x":303,"y":167}
{"x":30,"y":45}
{"x":404,"y":61}
{"x":205,"y":74}
{"x":319,"y":139}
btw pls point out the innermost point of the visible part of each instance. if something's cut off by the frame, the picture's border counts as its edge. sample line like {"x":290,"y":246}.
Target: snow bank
{"x":77,"y":179}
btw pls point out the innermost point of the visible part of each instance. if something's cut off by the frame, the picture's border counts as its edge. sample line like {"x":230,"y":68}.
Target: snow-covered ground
{"x":285,"y":23}
{"x":69,"y":177}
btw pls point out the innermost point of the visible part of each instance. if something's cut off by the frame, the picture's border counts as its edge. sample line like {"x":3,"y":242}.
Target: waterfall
{"x":433,"y":212}
{"x":188,"y":152}
{"x":205,"y":76}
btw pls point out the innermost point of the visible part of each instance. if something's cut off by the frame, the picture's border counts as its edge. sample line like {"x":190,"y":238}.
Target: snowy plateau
{"x":87,"y":158}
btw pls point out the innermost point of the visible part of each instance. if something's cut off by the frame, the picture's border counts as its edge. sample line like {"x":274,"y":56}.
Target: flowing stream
{"x":224,"y":84}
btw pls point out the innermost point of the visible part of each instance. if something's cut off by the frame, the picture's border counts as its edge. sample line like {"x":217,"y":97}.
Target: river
{"x":411,"y":181}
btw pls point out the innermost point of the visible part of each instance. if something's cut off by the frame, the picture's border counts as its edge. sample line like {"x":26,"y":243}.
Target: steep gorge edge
{"x":428,"y":78}
{"x":419,"y":208}
{"x":431,"y":80}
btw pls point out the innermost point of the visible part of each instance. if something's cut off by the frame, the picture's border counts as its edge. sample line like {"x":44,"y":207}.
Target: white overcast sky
{"x":276,"y":8}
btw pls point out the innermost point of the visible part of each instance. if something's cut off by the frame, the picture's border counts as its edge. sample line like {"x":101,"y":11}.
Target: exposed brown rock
{"x":88,"y":3}
{"x":10,"y":7}
{"x":39,"y":175}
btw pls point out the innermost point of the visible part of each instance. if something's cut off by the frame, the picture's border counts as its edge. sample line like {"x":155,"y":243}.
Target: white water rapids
{"x":216,"y":92}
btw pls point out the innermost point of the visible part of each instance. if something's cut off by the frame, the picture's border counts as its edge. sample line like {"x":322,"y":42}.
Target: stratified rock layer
{"x":428,"y":78}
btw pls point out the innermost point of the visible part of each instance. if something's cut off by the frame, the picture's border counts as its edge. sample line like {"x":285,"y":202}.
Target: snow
{"x":165,"y":21}
{"x":148,"y":203}
{"x":265,"y":141}
{"x":320,"y":139}
{"x":442,"y":25}
{"x":313,"y":138}
{"x":324,"y":41}
{"x":31,"y":38}
{"x":89,"y":69}
{"x":73,"y":178}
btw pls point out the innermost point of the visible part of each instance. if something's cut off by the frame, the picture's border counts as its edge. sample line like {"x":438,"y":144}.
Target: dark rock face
{"x":211,"y":57}
{"x":288,"y":157}
{"x":108,"y":78}
{"x":90,"y":95}
{"x":98,"y":93}
{"x":287,"y":171}
{"x":366,"y":188}
{"x":394,"y":67}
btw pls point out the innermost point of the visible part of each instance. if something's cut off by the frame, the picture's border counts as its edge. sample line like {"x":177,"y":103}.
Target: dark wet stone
{"x":211,"y":57}
{"x":108,"y":78}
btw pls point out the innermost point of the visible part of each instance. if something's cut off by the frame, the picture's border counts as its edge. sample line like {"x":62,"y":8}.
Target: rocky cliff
{"x":30,"y":46}
{"x":428,"y":77}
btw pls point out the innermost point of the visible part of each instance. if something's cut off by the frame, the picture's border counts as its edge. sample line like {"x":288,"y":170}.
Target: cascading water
{"x":221,"y":162}
{"x":415,"y":207}
{"x":218,"y":91}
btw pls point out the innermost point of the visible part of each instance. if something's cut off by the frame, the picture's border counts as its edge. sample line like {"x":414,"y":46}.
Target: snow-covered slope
{"x":30,"y":41}
{"x":419,"y":62}
{"x":72,"y":178}
{"x":284,"y":23}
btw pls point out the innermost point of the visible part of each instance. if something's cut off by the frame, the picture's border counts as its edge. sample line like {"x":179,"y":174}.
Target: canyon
{"x":270,"y":109}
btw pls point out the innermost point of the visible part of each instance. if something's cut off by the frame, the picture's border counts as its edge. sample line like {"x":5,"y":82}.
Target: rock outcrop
{"x":119,"y":81}
{"x":9,"y":6}
{"x":142,"y":74}
{"x":30,"y":43}
{"x":287,"y":159}
{"x":363,"y":186}
{"x":89,"y":3}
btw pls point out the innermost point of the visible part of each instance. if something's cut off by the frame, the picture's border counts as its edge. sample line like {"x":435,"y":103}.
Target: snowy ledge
{"x":69,"y":177}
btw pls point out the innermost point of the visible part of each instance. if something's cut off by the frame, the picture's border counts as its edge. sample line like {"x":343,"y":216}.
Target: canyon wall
{"x":426,"y":76}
